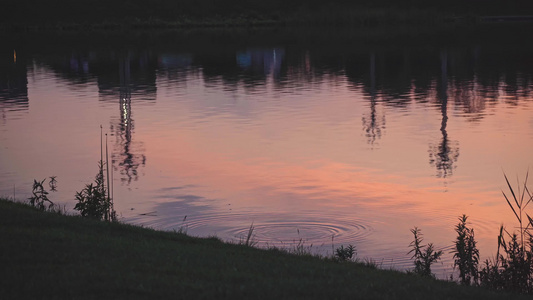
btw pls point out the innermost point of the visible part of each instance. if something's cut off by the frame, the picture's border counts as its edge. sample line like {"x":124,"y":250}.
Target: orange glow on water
{"x":327,"y":155}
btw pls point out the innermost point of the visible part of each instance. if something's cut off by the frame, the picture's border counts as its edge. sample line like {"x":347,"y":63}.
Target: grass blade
{"x":530,"y":221}
{"x":528,"y":192}
{"x":249,"y":237}
{"x":523,"y":192}
{"x":512,"y":192}
{"x":511,"y":206}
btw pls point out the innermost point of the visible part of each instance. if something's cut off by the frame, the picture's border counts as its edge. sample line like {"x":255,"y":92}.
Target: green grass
{"x":52,"y":256}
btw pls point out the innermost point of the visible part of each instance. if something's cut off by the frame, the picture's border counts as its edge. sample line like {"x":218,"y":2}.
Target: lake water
{"x":316,"y":138}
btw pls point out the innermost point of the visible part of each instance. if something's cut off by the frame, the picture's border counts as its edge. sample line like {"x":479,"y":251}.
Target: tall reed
{"x":94,"y":200}
{"x":521,"y":201}
{"x":512,"y":269}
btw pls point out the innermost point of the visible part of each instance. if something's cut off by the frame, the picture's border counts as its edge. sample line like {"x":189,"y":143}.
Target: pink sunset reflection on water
{"x":321,"y":156}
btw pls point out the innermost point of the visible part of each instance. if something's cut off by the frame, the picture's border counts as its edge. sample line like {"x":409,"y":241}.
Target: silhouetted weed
{"x":93,"y":201}
{"x":512,"y":269}
{"x":40,"y":194}
{"x":249,"y":241}
{"x":465,"y":253}
{"x":345,"y":254}
{"x":424,"y":255}
{"x":183,"y":228}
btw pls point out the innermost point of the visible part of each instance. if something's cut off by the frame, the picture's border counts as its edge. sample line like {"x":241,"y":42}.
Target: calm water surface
{"x":322,"y":140}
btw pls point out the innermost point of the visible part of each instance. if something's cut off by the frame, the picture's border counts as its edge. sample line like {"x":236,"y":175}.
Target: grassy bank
{"x":46,"y":255}
{"x":64,"y":14}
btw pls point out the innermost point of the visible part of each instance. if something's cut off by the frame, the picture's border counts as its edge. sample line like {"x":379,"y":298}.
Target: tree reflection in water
{"x":127,"y":161}
{"x":373,"y":124}
{"x":446,"y":152}
{"x":13,"y":85}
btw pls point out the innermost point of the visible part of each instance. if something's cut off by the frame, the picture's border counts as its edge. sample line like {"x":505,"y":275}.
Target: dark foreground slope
{"x":46,"y":255}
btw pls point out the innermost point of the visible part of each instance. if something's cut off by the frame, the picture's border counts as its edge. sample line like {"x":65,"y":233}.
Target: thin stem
{"x":101,"y":146}
{"x":107,"y":170}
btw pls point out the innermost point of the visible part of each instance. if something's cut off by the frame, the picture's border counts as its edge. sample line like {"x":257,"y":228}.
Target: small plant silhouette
{"x":40,"y":195}
{"x":53,"y":183}
{"x":250,"y":237}
{"x":424,"y":255}
{"x":345,"y":254}
{"x":466,"y":254}
{"x":93,"y":201}
{"x":183,"y":227}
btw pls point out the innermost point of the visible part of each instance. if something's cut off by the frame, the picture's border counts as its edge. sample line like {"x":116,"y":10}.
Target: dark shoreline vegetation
{"x":511,"y":269}
{"x":117,"y":14}
{"x":47,"y":255}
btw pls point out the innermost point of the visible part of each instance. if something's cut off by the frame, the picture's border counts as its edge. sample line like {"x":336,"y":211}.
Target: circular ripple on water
{"x":271,"y":228}
{"x":310,"y":228}
{"x":311,"y":232}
